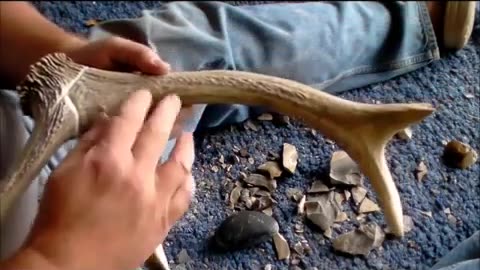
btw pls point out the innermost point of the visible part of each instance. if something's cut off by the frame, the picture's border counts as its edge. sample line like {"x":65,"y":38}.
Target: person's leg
{"x":465,"y":256}
{"x":332,"y":46}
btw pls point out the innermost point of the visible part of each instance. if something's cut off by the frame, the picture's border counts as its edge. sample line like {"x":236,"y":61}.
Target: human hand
{"x":120,"y":54}
{"x":109,"y":205}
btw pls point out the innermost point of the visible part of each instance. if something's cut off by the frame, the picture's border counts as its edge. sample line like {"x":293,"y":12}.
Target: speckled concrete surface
{"x":444,"y":83}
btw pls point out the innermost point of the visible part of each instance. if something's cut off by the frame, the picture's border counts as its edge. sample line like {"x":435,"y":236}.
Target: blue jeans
{"x":331,"y":46}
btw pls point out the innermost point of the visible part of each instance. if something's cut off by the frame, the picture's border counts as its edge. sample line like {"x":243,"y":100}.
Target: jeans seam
{"x":431,"y":53}
{"x":399,"y":64}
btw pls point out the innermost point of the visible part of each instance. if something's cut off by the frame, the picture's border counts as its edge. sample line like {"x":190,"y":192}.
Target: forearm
{"x":26,"y":35}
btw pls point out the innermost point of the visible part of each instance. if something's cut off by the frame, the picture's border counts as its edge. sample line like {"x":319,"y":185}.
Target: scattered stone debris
{"x":214,"y":169}
{"x":427,"y":213}
{"x":272,"y":168}
{"x":421,"y":171}
{"x":263,"y":203}
{"x":360,"y":241}
{"x":358,"y":194}
{"x":250,"y":125}
{"x":343,"y":170}
{"x":341,"y":217}
{"x":260,"y":180}
{"x":289,"y":157}
{"x":348,"y":194}
{"x":322,"y":210}
{"x":368,"y":206}
{"x":294,"y":193}
{"x":244,"y":229}
{"x":281,"y":246}
{"x":235,"y":195}
{"x":329,"y":141}
{"x":301,"y":205}
{"x":265,"y":117}
{"x":339,"y":198}
{"x":452,"y":220}
{"x":317,"y":187}
{"x":243,"y":152}
{"x":328,"y":233}
{"x":182,"y":257}
{"x":459,"y":155}
{"x":268,"y":211}
{"x":405,"y":134}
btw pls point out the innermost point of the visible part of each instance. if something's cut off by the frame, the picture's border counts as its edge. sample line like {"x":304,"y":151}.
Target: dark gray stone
{"x":244,"y":229}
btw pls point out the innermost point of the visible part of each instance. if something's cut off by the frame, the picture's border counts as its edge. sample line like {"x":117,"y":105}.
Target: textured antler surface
{"x":64,"y":98}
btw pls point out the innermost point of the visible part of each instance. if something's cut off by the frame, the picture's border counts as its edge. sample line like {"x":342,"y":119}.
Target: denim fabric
{"x":332,"y":46}
{"x":465,"y":256}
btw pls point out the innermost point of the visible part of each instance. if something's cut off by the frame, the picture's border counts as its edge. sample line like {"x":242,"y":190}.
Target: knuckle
{"x":109,"y":162}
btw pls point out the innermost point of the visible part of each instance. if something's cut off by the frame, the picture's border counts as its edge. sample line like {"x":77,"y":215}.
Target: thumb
{"x":138,"y":56}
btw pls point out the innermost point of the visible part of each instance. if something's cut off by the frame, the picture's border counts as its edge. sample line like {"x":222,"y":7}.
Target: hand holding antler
{"x":111,"y":189}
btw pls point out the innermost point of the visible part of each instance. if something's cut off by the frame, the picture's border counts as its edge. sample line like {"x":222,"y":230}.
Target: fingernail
{"x":161,"y":64}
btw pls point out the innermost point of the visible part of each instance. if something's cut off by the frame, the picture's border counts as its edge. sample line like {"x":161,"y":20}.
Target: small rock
{"x":214,"y":168}
{"x":447,"y":211}
{"x":294,"y":193}
{"x":421,"y":170}
{"x":272,"y":168}
{"x":358,"y":194}
{"x":426,"y":213}
{"x":322,"y":211}
{"x":244,"y":229}
{"x":268,"y":211}
{"x":368,"y":206}
{"x":405,"y":134}
{"x":289,"y":157}
{"x":281,"y":246}
{"x":268,"y":267}
{"x":348,"y":195}
{"x":250,"y":125}
{"x":318,"y":186}
{"x":339,"y":198}
{"x":459,"y":155}
{"x":360,"y":241}
{"x":243,"y":152}
{"x":343,"y":170}
{"x":265,"y":117}
{"x":262,"y":203}
{"x":251,"y":160}
{"x":182,"y":257}
{"x":452,"y":220}
{"x":298,"y":247}
{"x":328,"y":233}
{"x":262,"y":193}
{"x":260,"y":180}
{"x":301,"y":205}
{"x":341,"y":217}
{"x":234,"y":196}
